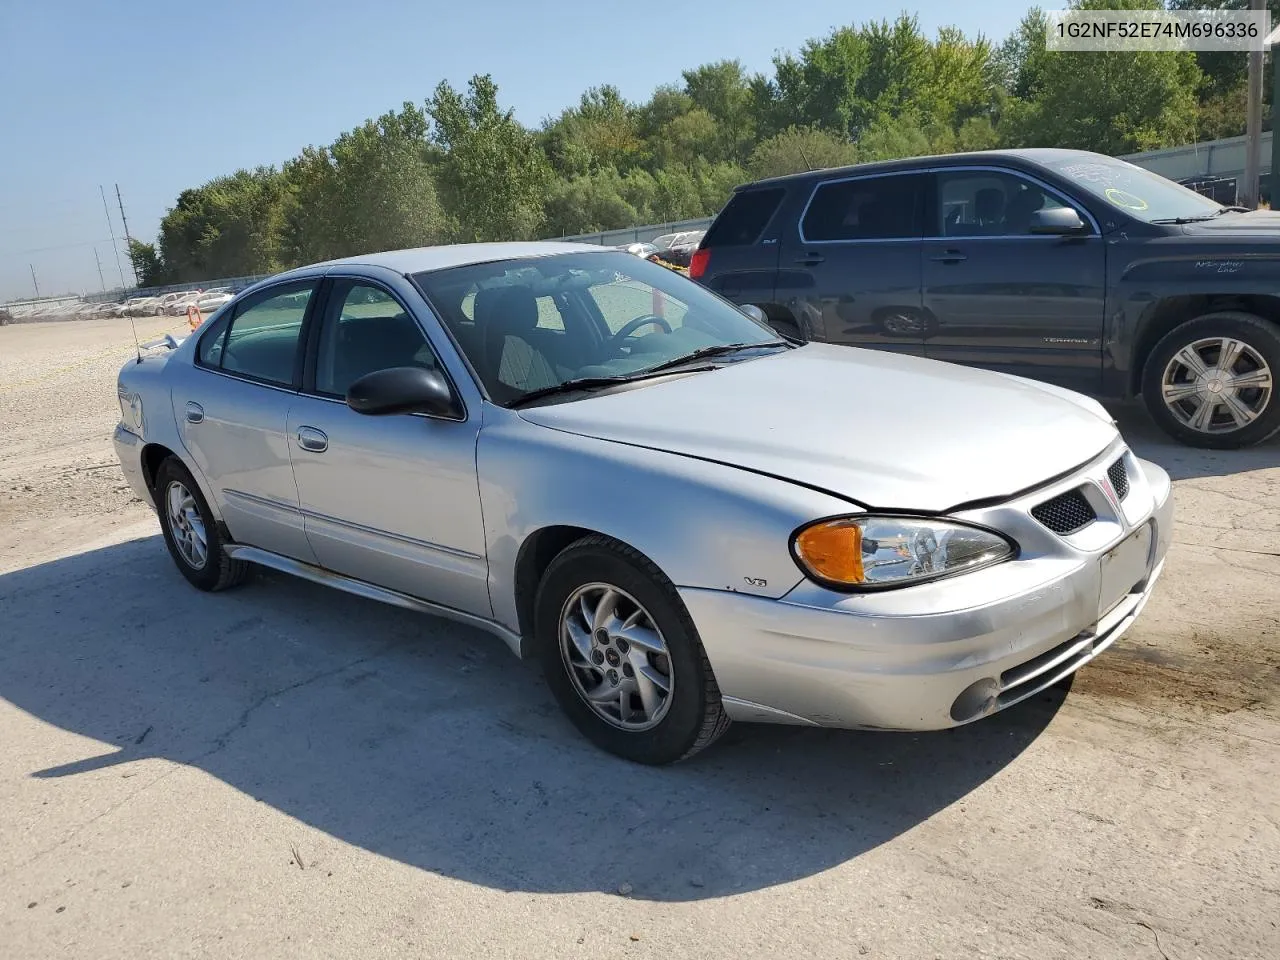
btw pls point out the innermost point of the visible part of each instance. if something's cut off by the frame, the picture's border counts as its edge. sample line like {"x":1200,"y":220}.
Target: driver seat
{"x":506,"y":317}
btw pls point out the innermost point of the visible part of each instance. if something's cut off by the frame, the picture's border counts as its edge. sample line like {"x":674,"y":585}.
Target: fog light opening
{"x":975,"y":700}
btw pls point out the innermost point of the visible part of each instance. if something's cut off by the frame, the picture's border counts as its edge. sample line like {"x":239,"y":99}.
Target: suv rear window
{"x":744,"y":219}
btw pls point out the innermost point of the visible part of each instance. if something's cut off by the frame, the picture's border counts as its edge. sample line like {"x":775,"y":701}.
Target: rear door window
{"x":744,"y":219}
{"x":262,"y":339}
{"x":869,"y":208}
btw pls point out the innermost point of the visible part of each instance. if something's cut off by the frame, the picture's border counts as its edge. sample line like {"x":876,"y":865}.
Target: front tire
{"x":622,"y":655}
{"x":191,"y":533}
{"x":1211,"y":381}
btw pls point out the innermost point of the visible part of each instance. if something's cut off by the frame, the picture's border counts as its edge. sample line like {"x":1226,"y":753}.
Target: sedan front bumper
{"x":946,"y":653}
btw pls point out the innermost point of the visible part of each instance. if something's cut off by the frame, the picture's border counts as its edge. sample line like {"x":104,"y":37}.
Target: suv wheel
{"x":622,"y":655}
{"x":1211,"y":381}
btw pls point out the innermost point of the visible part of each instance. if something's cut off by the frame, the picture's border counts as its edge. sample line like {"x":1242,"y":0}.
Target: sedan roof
{"x":421,"y":259}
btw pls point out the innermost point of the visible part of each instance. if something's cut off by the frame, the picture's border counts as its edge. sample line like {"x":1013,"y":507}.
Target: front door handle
{"x":951,"y":256}
{"x":309,"y":438}
{"x":195,"y":412}
{"x":810,"y":259}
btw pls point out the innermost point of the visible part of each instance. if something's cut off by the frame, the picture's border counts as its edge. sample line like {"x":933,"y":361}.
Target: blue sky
{"x":159,"y":96}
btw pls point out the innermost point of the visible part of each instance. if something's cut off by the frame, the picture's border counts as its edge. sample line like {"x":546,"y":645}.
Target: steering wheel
{"x":631,"y":326}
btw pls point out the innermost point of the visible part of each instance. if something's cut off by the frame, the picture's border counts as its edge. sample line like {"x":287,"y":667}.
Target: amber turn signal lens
{"x":833,"y":551}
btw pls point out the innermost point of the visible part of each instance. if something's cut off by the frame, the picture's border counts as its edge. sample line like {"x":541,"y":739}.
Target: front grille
{"x":1065,"y":513}
{"x":1119,"y":477}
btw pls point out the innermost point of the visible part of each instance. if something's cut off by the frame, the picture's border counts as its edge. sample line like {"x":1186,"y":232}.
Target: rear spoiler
{"x":168,"y":340}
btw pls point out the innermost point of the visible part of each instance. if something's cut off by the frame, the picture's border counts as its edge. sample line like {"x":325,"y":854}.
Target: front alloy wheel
{"x":616,"y":657}
{"x":622,"y":655}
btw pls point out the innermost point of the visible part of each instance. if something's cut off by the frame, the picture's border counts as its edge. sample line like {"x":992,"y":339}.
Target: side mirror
{"x":1058,"y":221}
{"x":754,"y":312}
{"x":402,"y":390}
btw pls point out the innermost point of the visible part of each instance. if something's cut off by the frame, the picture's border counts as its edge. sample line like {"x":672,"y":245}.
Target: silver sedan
{"x":685,"y":518}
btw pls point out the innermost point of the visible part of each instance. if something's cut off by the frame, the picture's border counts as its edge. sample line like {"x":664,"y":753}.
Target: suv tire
{"x":1185,"y":371}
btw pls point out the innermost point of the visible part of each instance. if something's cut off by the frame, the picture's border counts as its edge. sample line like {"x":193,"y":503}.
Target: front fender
{"x":704,"y":524}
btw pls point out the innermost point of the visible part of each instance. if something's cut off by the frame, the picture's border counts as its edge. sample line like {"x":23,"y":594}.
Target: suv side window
{"x":869,"y":208}
{"x":991,"y":203}
{"x":365,"y":329}
{"x":261,"y":341}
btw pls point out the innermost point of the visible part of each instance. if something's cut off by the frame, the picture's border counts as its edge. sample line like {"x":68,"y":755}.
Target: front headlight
{"x":879,"y":552}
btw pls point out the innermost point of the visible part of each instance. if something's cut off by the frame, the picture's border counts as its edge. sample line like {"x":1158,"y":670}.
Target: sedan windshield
{"x":1138,"y":192}
{"x":531,"y":325}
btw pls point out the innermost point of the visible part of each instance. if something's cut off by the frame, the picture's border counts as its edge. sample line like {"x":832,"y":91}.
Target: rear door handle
{"x":195,"y":412}
{"x":810,"y":259}
{"x":309,"y":438}
{"x":951,"y":256}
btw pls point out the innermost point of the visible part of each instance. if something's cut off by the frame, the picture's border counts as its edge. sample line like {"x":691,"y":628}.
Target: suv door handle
{"x":309,"y":438}
{"x":195,"y":412}
{"x":951,"y":256}
{"x":810,"y":259}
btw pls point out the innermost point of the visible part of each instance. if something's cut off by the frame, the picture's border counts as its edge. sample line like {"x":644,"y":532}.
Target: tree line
{"x":460,"y":167}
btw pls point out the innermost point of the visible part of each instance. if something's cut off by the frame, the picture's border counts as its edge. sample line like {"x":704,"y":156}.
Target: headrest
{"x":510,"y":310}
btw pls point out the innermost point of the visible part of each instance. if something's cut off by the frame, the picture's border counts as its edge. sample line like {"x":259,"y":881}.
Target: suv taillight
{"x":698,"y":265}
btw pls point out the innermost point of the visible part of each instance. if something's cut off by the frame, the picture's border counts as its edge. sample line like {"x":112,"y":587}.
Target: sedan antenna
{"x":137,"y":347}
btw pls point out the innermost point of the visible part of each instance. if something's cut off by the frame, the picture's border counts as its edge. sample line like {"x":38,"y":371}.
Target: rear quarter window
{"x":744,"y":219}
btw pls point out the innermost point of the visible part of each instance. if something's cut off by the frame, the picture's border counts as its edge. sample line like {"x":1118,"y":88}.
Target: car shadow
{"x":427,"y":742}
{"x":1182,"y":462}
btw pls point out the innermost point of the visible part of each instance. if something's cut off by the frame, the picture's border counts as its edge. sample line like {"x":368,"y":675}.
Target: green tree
{"x":800,"y":148}
{"x":147,"y":266}
{"x":372,"y":189}
{"x":493,"y":171}
{"x":587,"y":204}
{"x":1114,"y":102}
{"x":229,"y":227}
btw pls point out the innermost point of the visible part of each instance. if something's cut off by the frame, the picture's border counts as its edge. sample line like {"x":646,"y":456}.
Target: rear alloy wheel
{"x":190,"y":532}
{"x":622,"y":656}
{"x":1211,"y":382}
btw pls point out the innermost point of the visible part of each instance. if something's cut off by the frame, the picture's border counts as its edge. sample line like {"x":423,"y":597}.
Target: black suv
{"x":1069,"y":267}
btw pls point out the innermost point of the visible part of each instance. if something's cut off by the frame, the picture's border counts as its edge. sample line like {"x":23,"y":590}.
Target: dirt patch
{"x":1209,"y":682}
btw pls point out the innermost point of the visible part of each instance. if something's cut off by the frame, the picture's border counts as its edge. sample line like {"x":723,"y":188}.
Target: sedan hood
{"x":881,"y":429}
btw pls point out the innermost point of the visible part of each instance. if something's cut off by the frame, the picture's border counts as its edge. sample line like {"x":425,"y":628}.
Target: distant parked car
{"x":641,"y":249}
{"x":685,"y":518}
{"x":1065,"y":266}
{"x":212,"y":301}
{"x":178,"y":306}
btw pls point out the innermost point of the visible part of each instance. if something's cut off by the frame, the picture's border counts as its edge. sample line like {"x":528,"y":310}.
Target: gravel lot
{"x":283,"y":771}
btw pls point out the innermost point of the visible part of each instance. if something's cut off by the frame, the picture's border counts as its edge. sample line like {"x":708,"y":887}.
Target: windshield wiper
{"x":1210,"y":216}
{"x":594,"y":383}
{"x":713,"y":351}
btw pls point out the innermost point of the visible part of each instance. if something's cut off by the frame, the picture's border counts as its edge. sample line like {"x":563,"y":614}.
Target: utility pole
{"x":1248,"y":194}
{"x":34,"y":282}
{"x":1273,"y":41}
{"x":112,"y":230}
{"x":98,"y":260}
{"x":128,"y":240}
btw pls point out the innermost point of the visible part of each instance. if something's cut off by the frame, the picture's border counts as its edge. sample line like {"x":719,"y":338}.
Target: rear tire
{"x":1228,"y":360}
{"x":190,"y":532}
{"x":633,"y":637}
